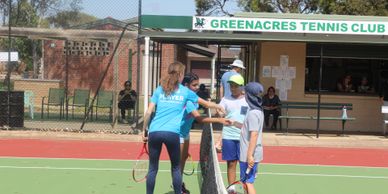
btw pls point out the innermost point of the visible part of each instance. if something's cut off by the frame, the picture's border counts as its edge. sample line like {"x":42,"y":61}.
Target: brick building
{"x":87,"y":60}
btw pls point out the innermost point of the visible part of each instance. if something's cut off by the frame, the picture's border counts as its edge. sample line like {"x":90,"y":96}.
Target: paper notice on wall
{"x":280,"y":84}
{"x":288,"y":84}
{"x":276,"y":72}
{"x":284,"y":60}
{"x":283,"y":95}
{"x":283,"y":84}
{"x":291,"y":73}
{"x":266,"y":71}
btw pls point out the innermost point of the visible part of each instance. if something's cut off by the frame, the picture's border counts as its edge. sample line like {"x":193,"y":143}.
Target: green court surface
{"x":81,"y":176}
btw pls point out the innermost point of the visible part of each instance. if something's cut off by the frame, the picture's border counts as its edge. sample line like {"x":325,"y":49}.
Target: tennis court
{"x":47,"y":176}
{"x":36,"y":166}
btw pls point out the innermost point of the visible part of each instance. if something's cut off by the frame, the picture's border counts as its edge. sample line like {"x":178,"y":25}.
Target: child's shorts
{"x":252,"y":174}
{"x":230,"y":149}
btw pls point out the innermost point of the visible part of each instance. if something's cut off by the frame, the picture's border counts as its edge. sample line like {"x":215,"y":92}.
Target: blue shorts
{"x":252,"y":174}
{"x":230,"y":149}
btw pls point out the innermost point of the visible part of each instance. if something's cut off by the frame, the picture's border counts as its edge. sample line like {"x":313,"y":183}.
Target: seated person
{"x":271,"y":106}
{"x":345,"y":85}
{"x":204,"y":94}
{"x":127,"y":100}
{"x":364,"y":86}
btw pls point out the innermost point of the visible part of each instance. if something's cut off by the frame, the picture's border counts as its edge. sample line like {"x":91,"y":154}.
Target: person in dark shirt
{"x":345,"y":84}
{"x":204,"y":94}
{"x":127,"y":100}
{"x":271,"y":104}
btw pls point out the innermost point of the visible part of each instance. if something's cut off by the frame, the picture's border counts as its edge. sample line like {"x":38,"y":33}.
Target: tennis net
{"x":210,"y":178}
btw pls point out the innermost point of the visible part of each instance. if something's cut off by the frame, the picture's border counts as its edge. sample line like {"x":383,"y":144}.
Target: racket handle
{"x":248,"y":170}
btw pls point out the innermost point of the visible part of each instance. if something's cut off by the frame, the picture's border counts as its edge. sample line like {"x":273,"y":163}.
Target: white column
{"x":145,"y":71}
{"x":212,"y":81}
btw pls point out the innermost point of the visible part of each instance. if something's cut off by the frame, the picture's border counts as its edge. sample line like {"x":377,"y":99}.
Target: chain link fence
{"x":64,"y":63}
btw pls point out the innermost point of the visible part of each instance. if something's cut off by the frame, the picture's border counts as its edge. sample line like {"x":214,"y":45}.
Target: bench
{"x":285,"y":106}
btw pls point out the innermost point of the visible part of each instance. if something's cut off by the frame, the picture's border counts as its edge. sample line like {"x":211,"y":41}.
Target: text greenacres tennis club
{"x":290,"y":25}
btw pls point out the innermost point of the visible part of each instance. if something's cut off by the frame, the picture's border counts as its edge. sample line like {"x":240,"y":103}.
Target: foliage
{"x":23,"y":46}
{"x":35,"y":13}
{"x":23,"y":15}
{"x":341,"y":7}
{"x":212,"y":7}
{"x":355,"y":7}
{"x":66,"y":19}
{"x":256,"y":5}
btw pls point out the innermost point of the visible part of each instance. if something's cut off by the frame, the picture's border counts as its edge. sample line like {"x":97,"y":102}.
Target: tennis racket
{"x":140,"y":169}
{"x":240,"y":186}
{"x":189,"y":167}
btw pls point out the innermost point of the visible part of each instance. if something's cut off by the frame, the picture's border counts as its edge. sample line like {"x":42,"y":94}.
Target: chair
{"x":104,"y":100}
{"x":29,"y":102}
{"x":56,"y":98}
{"x":131,"y":112}
{"x":80,"y":99}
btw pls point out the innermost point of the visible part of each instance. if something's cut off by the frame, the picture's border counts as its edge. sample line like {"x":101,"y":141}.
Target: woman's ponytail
{"x":170,"y":81}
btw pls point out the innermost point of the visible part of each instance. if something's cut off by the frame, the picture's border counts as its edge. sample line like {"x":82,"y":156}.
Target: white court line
{"x":161,"y":170}
{"x":124,"y":160}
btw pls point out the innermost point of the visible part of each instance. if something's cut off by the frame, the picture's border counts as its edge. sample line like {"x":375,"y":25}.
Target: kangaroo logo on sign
{"x":199,"y":22}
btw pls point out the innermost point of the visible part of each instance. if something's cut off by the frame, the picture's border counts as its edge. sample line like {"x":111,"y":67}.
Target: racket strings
{"x":140,"y":168}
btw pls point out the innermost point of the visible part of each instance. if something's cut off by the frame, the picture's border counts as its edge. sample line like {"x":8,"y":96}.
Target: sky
{"x":124,"y":9}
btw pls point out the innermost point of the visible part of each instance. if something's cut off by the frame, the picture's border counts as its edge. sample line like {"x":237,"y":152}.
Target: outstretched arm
{"x":209,"y":104}
{"x":201,"y":119}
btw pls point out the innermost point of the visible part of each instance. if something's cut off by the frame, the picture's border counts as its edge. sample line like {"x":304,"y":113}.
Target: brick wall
{"x":40,"y":88}
{"x":86,"y":71}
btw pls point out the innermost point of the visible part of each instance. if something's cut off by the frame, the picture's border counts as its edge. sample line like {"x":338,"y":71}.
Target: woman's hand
{"x":145,"y":136}
{"x":220,"y":110}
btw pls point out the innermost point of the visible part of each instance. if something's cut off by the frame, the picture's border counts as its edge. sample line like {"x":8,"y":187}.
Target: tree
{"x":4,"y":9}
{"x":341,"y":7}
{"x":212,"y":7}
{"x":33,"y":13}
{"x":66,"y":19}
{"x":23,"y":15}
{"x":355,"y":7}
{"x":257,"y":5}
{"x":47,"y":8}
{"x":281,"y":6}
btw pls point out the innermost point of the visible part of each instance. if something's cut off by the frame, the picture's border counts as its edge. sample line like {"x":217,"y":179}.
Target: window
{"x":351,"y":69}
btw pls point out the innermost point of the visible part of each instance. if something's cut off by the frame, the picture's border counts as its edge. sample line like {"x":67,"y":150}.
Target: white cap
{"x":238,"y":63}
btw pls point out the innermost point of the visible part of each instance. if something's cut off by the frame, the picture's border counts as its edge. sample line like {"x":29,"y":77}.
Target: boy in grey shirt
{"x":251,"y":149}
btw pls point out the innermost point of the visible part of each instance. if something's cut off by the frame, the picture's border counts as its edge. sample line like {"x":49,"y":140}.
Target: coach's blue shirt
{"x":188,"y":118}
{"x":170,"y":109}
